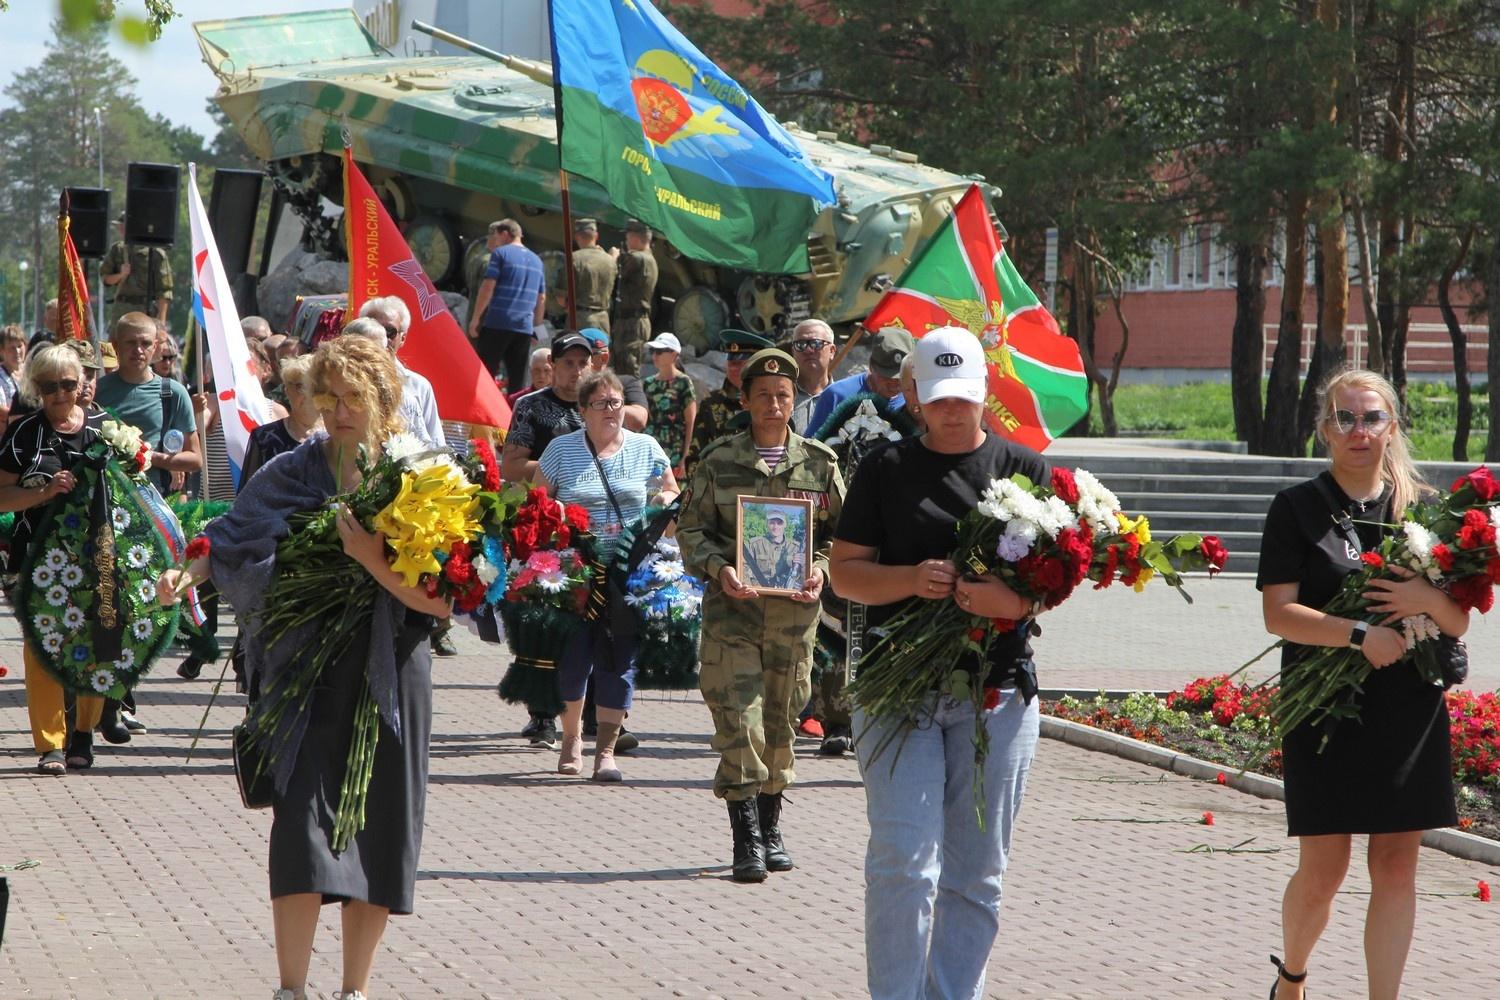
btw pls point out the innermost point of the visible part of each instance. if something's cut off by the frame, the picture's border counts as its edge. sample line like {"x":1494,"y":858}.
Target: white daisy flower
{"x":141,"y":629}
{"x":137,"y":556}
{"x":43,"y":576}
{"x":73,"y":618}
{"x":102,"y":680}
{"x":553,"y":583}
{"x":144,"y":592}
{"x":57,"y":596}
{"x":120,"y":518}
{"x":44,"y":622}
{"x":71,"y":575}
{"x":667,"y":570}
{"x":126,"y":660}
{"x":52,"y":642}
{"x":56,"y":559}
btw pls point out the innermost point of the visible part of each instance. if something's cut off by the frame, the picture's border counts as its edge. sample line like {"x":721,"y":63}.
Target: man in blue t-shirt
{"x":509,"y":304}
{"x":158,"y":407}
{"x":888,"y":349}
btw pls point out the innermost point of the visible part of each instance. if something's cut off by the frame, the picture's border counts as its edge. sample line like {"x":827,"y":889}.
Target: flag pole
{"x":562,"y":175}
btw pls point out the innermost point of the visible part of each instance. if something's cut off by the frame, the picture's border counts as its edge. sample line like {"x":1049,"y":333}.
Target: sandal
{"x":1281,"y":974}
{"x":81,"y":751}
{"x":52,"y":763}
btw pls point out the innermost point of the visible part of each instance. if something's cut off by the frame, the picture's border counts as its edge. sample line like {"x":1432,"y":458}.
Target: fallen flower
{"x":1208,"y":820}
{"x":1464,"y":822}
{"x":1483,"y":892}
{"x":1222,"y":778}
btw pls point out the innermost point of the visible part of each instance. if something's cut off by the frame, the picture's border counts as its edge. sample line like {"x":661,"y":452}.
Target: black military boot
{"x":768,"y":808}
{"x":749,"y":852}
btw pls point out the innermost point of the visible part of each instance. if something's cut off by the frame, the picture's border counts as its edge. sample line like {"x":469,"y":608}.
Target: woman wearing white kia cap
{"x":932,"y":876}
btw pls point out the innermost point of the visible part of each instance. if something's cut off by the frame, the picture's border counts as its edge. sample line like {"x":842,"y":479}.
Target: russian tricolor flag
{"x":242,"y":405}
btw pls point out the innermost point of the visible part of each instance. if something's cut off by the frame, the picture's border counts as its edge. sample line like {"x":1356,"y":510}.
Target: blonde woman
{"x":358,"y":394}
{"x":1388,"y":772}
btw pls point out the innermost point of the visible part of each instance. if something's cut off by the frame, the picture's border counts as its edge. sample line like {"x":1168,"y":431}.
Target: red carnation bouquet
{"x":1451,"y":541}
{"x":1042,"y":541}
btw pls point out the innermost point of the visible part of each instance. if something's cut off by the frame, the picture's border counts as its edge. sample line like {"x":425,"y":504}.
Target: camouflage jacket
{"x":720,"y":413}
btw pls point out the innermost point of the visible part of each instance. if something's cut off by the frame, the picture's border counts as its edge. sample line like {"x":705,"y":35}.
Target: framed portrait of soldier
{"x":774,"y":540}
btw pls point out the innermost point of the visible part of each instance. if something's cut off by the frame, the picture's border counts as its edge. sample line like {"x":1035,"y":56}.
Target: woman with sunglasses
{"x":613,"y":473}
{"x":1386,"y":772}
{"x":37,"y":455}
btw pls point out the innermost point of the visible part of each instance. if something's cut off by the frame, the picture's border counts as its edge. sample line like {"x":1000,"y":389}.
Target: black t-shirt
{"x":266,"y":442}
{"x":538,"y":418}
{"x":1302,"y":544}
{"x":633,"y":390}
{"x":33,"y":450}
{"x":906,"y":501}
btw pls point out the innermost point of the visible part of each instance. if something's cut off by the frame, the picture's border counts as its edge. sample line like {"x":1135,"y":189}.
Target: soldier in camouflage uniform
{"x":721,"y":411}
{"x":636,"y":286}
{"x":593,"y":276}
{"x":757,"y":651}
{"x":135,"y":273}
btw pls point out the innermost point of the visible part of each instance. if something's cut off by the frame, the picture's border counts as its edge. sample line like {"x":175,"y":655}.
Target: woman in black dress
{"x":1388,"y":772}
{"x":358,"y":392}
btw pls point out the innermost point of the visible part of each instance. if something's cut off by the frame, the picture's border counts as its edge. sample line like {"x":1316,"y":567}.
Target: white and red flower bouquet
{"x":1450,"y":540}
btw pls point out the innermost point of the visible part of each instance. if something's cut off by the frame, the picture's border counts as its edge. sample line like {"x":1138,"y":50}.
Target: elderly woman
{"x":1387,"y":773}
{"x":612,"y":472}
{"x":358,"y":393}
{"x":37,"y":456}
{"x":932,"y":874}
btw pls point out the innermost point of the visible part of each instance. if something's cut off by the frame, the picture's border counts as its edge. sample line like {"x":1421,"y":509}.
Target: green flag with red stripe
{"x":963,"y":277}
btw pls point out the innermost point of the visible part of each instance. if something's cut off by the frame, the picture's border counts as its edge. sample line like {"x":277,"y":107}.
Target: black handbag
{"x":252,"y":771}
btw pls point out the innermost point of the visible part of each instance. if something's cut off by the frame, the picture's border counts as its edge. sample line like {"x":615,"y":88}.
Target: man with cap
{"x":773,"y":559}
{"x":510,"y":304}
{"x":140,"y":276}
{"x":757,"y":649}
{"x":721,"y":412}
{"x":636,"y":287}
{"x":593,"y":275}
{"x":636,"y":411}
{"x":933,"y":871}
{"x":887,"y":350}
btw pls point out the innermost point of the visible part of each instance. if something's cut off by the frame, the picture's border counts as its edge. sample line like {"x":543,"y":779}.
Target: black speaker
{"x":88,"y":220}
{"x":232,"y":207}
{"x":151,"y":204}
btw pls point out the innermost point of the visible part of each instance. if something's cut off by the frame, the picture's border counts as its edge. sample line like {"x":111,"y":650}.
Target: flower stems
{"x":360,"y":766}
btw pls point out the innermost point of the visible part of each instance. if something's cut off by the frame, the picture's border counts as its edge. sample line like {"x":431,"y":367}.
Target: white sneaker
{"x":283,"y":993}
{"x":351,"y":995}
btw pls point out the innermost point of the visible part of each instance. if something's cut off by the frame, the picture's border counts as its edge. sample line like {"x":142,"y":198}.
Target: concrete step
{"x":1106,"y":465}
{"x":1239,"y":503}
{"x":1204,"y":521}
{"x":1266,"y":486}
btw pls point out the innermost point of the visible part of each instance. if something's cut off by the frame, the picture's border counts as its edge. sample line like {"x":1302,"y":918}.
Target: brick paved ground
{"x":151,"y":879}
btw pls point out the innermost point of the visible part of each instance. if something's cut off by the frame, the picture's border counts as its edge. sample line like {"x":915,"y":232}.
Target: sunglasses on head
{"x":63,"y":385}
{"x":810,"y":344}
{"x":1373,"y":421}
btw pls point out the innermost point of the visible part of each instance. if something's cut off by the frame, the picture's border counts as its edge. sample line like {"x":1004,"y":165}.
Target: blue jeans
{"x":932,"y":876}
{"x":611,"y":663}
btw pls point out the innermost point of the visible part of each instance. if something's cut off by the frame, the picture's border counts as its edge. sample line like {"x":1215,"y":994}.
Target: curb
{"x":1455,"y":842}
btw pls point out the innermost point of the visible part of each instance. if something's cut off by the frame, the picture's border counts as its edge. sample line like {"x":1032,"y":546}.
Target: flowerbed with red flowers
{"x":1219,"y":720}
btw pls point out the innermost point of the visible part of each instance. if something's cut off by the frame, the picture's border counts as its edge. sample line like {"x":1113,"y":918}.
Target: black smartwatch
{"x":1357,"y":635}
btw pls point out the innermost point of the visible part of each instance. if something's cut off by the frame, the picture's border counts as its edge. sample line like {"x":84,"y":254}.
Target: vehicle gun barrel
{"x":539,"y":72}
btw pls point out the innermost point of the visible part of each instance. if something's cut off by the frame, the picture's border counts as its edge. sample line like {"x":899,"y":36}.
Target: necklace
{"x":1361,"y":506}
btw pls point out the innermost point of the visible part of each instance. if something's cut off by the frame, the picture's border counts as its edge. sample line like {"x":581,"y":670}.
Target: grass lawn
{"x":1202,"y":411}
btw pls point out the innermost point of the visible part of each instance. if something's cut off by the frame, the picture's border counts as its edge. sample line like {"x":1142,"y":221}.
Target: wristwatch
{"x":1357,"y":635}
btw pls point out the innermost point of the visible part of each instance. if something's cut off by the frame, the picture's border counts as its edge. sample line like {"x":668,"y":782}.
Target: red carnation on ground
{"x":1222,"y":778}
{"x":1373,"y":560}
{"x":1214,"y":551}
{"x":1208,"y":819}
{"x":991,"y":699}
{"x":198,"y":548}
{"x":4,"y":670}
{"x":1483,"y":891}
{"x":1064,"y":485}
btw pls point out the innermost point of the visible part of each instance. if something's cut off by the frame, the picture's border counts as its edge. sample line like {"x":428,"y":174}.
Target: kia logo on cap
{"x":949,"y":360}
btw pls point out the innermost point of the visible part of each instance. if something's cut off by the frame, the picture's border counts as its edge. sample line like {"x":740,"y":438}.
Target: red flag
{"x":73,"y":319}
{"x":380,"y":263}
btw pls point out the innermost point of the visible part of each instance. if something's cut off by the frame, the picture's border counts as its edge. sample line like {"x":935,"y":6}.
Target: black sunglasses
{"x":810,"y":344}
{"x":65,"y":385}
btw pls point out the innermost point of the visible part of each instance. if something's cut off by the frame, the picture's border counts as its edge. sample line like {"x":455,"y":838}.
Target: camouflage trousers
{"x":754,"y":692}
{"x":627,"y":342}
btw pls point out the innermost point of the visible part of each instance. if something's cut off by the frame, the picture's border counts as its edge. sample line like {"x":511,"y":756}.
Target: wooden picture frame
{"x":764,"y":562}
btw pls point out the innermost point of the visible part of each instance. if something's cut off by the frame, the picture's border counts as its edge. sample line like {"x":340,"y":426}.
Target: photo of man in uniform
{"x":774,"y":560}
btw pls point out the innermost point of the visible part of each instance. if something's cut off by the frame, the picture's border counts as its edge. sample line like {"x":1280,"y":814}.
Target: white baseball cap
{"x":665,"y":342}
{"x":949,"y":364}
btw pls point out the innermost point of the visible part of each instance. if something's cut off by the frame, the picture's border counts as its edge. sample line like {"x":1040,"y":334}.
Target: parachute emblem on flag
{"x":428,"y":299}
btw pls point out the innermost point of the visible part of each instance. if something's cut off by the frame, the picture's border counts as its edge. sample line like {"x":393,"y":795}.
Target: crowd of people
{"x":590,"y":429}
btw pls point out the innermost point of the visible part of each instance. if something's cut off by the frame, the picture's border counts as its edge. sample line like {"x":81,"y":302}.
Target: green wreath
{"x":72,"y":602}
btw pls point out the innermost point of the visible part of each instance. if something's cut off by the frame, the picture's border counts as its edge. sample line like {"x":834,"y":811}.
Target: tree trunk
{"x":1492,"y":353}
{"x":1391,"y":232}
{"x":1322,"y":363}
{"x":1460,"y":352}
{"x":1375,"y":360}
{"x":1084,"y":291}
{"x":1281,"y":437}
{"x":1247,"y":353}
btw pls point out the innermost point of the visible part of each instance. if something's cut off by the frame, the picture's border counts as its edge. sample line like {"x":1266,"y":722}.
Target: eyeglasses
{"x":1373,"y":421}
{"x":603,"y":405}
{"x":65,"y":385}
{"x":328,"y":402}
{"x":810,"y":345}
{"x":661,"y":350}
